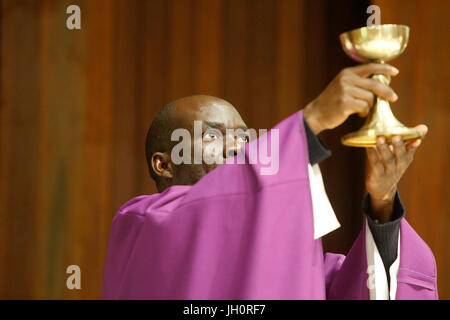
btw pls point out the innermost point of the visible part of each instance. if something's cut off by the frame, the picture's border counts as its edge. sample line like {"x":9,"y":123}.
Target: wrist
{"x":381,"y":209}
{"x":310,"y":116}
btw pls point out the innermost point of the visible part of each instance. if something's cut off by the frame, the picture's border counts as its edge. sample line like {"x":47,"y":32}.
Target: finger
{"x":410,"y":151}
{"x":391,"y":147}
{"x":399,"y":149}
{"x":358,"y":106}
{"x":365,"y":70}
{"x":423,"y":128}
{"x":362,"y":94}
{"x":387,"y":157}
{"x":413,"y":144}
{"x":380,"y":89}
{"x":374,"y":160}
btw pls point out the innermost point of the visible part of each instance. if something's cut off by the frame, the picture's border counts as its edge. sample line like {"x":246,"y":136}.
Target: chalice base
{"x":368,"y":137}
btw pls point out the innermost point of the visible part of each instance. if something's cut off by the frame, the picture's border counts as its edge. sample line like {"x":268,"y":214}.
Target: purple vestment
{"x":237,"y":234}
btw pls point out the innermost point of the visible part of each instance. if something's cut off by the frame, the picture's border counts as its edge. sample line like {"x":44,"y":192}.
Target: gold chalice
{"x":379,"y":43}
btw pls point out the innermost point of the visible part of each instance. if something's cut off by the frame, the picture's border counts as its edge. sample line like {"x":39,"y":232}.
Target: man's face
{"x":216,"y":145}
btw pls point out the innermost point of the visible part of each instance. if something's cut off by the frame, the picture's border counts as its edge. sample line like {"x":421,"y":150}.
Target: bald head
{"x":181,"y":113}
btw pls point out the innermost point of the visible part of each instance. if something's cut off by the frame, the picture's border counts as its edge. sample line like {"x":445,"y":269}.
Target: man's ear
{"x":161,"y":165}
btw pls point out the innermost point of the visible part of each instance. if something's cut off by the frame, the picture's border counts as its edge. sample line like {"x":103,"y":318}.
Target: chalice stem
{"x":381,"y":111}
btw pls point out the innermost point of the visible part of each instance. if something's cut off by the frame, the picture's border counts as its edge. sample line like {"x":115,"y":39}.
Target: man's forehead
{"x":212,"y":112}
{"x":217,"y":111}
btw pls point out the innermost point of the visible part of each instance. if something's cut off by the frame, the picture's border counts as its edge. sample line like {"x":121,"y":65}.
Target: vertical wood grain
{"x":422,"y":87}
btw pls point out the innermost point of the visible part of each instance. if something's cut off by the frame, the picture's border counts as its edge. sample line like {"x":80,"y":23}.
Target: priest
{"x":226,"y":229}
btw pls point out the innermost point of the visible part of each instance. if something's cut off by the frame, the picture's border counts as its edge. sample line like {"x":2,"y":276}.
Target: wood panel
{"x":424,"y":98}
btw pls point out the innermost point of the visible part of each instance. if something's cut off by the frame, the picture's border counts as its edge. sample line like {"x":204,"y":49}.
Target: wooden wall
{"x":424,"y":97}
{"x":75,"y":107}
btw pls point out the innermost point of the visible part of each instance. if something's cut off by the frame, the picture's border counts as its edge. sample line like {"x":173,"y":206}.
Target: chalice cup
{"x":378,"y":43}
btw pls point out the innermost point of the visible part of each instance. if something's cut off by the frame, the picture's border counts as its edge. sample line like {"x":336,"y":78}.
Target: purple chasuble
{"x":238,"y":234}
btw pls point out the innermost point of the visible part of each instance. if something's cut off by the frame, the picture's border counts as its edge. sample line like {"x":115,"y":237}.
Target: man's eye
{"x":210,"y":135}
{"x":244,"y":138}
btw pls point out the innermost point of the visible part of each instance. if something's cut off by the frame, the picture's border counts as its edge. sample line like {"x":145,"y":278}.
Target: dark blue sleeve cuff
{"x":386,"y":235}
{"x":316,"y":149}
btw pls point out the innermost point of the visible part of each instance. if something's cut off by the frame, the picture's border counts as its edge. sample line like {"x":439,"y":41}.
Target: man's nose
{"x":232,"y":149}
{"x":232,"y":152}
